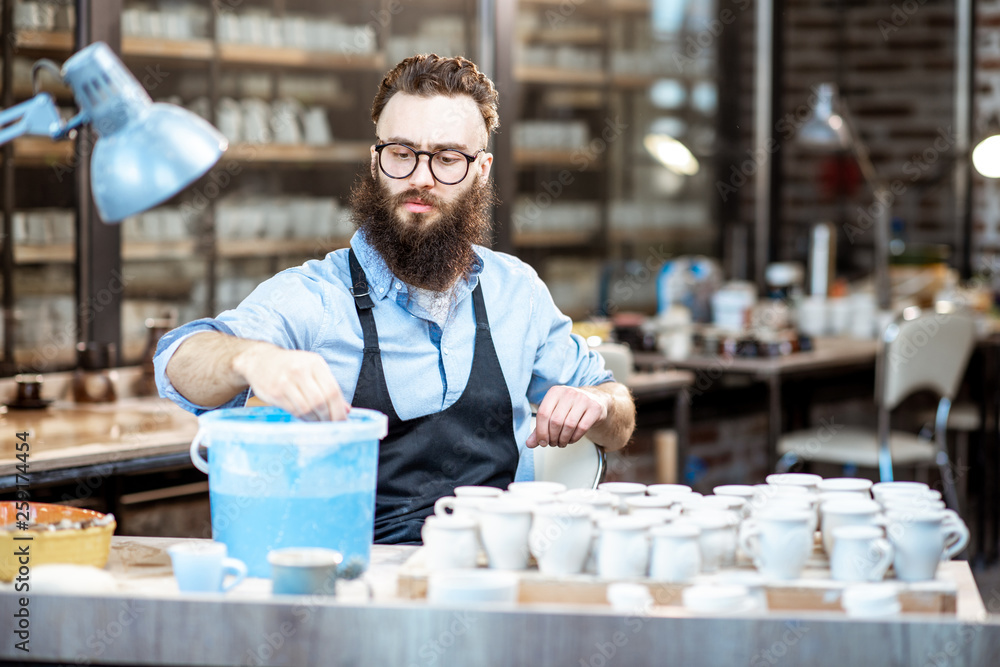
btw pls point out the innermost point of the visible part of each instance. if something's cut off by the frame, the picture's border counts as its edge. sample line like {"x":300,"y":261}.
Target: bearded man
{"x":452,"y":341}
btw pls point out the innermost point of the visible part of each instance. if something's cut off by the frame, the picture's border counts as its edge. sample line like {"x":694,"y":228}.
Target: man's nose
{"x":422,"y":176}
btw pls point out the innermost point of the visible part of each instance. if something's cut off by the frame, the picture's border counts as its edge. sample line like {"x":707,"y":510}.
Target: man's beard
{"x":429,"y":255}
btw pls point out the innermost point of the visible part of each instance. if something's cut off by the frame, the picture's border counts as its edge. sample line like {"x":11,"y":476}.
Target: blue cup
{"x":202,"y":567}
{"x":304,"y":571}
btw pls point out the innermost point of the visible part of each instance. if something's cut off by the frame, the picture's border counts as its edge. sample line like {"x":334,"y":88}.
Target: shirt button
{"x":381,"y":289}
{"x":399,"y":286}
{"x":446,"y":350}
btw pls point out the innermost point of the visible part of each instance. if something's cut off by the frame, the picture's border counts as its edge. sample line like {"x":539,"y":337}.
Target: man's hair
{"x":429,"y":74}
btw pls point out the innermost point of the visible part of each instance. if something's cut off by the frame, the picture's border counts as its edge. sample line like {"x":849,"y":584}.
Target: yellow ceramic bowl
{"x":79,"y":546}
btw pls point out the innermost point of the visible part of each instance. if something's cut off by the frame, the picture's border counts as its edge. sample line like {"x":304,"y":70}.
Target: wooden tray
{"x":813,"y":591}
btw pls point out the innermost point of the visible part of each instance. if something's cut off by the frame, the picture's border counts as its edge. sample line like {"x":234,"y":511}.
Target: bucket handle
{"x":199,"y":463}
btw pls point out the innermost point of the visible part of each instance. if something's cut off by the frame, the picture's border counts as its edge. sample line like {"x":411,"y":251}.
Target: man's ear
{"x":374,"y":160}
{"x":485,"y":164}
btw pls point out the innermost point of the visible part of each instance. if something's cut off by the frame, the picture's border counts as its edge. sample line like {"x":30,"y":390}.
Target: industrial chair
{"x":583,"y":464}
{"x":921,"y":350}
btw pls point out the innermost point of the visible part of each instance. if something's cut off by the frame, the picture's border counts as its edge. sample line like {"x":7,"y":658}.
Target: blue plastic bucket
{"x":276,"y":481}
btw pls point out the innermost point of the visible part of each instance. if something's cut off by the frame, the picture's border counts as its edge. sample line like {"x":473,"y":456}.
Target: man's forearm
{"x":615,"y":430}
{"x":204,"y":368}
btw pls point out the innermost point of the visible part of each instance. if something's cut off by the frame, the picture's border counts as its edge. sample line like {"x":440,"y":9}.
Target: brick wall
{"x":894,"y":64}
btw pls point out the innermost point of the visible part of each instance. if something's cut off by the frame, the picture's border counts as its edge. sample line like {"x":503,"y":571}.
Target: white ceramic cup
{"x":623,"y":490}
{"x":675,"y":553}
{"x":778,"y":542}
{"x":629,"y":597}
{"x":477,"y":491}
{"x":881,"y":490}
{"x":637,"y":504}
{"x":745,"y":491}
{"x":808,"y":481}
{"x":668,"y":489}
{"x":204,"y":566}
{"x":601,"y":503}
{"x":846,"y":485}
{"x":560,"y":537}
{"x":450,"y":542}
{"x":860,"y":553}
{"x":922,"y":540}
{"x":718,"y":599}
{"x":458,"y":505}
{"x":472,"y":587}
{"x":871,"y":600}
{"x":503,"y":530}
{"x":847,"y":512}
{"x":717,"y":539}
{"x":622,"y":547}
{"x":536,"y":489}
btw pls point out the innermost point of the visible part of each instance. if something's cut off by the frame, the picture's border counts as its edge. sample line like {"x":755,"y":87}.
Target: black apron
{"x":422,"y":459}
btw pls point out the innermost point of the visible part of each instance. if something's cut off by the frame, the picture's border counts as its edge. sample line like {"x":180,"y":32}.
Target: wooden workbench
{"x":146,"y":621}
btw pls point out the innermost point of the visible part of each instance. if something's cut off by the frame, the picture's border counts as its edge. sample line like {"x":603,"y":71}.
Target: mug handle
{"x":237,"y":569}
{"x":885,"y":548}
{"x":443,"y":504}
{"x":749,"y":540}
{"x":199,"y":463}
{"x":956,"y":537}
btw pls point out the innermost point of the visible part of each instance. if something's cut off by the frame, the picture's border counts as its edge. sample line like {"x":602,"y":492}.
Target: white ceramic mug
{"x":860,"y":553}
{"x":623,"y":490}
{"x":922,"y":540}
{"x":458,"y":505}
{"x":847,"y":511}
{"x":882,"y":489}
{"x":809,"y":481}
{"x":203,"y":567}
{"x":717,"y":539}
{"x":622,"y":547}
{"x":450,"y":542}
{"x":477,"y":491}
{"x":778,"y":542}
{"x":668,"y":489}
{"x":871,"y":600}
{"x":472,"y":587}
{"x":536,"y":489}
{"x":675,"y":554}
{"x":503,"y":529}
{"x":718,"y":599}
{"x":560,"y":537}
{"x":853,"y":486}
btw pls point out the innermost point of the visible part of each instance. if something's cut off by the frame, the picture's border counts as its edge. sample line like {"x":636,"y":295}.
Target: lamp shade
{"x":986,"y":157}
{"x":671,"y":153}
{"x":824,"y":128}
{"x":145,"y":153}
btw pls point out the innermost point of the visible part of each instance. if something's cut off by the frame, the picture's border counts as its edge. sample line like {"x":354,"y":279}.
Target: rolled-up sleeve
{"x":562,"y":357}
{"x":287,"y":310}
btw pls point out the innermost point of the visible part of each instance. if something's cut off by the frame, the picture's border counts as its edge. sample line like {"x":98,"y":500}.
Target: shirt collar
{"x":382,"y":282}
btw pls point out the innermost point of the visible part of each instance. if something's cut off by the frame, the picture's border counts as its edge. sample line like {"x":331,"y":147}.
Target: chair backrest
{"x":580,"y":465}
{"x":617,"y":359}
{"x":924,"y":350}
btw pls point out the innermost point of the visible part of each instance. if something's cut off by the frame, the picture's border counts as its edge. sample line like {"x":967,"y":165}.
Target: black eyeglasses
{"x":448,"y":165}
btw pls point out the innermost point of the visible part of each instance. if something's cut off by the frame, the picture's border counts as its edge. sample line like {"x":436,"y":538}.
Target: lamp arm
{"x":38,"y":115}
{"x":860,"y":149}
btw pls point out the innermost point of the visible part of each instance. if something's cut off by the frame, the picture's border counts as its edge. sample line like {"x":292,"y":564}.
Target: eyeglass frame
{"x":430,"y":160}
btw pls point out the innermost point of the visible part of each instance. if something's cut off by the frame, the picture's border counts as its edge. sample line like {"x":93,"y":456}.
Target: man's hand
{"x":295,"y":380}
{"x":566,"y":414}
{"x":210,"y":368}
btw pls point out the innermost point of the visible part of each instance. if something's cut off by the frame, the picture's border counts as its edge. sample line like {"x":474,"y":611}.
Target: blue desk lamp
{"x":145,"y":153}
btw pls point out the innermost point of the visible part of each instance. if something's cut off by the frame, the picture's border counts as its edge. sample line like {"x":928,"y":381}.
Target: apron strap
{"x":363,"y":303}
{"x":479,"y":306}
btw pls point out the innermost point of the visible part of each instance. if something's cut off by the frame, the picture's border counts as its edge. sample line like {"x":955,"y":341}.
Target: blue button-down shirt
{"x":309,"y":307}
